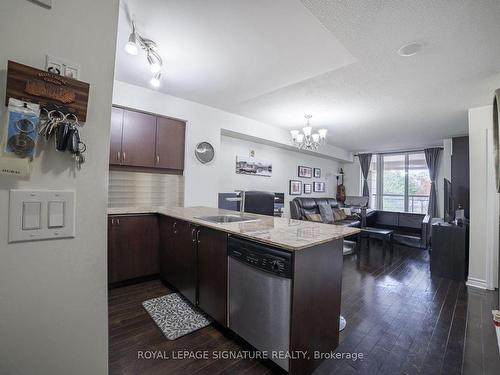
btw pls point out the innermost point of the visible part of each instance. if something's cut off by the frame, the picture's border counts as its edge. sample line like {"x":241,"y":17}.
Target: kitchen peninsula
{"x":194,"y":245}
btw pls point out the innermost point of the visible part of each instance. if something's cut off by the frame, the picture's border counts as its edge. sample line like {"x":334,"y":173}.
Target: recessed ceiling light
{"x":410,"y":49}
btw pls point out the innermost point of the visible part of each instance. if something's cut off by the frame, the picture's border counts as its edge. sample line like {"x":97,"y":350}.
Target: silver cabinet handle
{"x":193,"y":238}
{"x":157,"y":159}
{"x":118,"y":221}
{"x":118,"y":155}
{"x":123,"y":155}
{"x":198,"y":236}
{"x":174,"y":227}
{"x":112,"y":221}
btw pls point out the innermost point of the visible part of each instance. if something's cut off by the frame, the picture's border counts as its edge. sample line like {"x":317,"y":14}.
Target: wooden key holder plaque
{"x":47,"y":89}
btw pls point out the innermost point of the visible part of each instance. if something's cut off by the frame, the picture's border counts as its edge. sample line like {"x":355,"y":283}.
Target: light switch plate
{"x":22,"y":209}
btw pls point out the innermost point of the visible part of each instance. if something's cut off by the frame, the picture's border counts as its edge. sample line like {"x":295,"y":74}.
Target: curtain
{"x":432,"y":160}
{"x":364,"y":161}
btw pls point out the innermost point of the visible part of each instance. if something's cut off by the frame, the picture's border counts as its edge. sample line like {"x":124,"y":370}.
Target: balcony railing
{"x":417,"y":203}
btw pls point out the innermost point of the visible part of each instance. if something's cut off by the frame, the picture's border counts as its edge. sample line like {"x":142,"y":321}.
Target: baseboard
{"x":476,"y":283}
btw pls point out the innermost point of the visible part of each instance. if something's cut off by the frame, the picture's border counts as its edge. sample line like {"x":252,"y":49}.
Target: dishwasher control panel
{"x":265,"y":258}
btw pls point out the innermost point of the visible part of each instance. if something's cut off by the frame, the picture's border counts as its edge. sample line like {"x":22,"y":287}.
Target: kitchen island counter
{"x":287,"y":234}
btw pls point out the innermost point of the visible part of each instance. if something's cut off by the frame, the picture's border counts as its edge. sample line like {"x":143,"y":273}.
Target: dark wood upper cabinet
{"x":138,"y":139}
{"x":212,"y":273}
{"x":132,"y":247}
{"x":115,"y":147}
{"x":142,"y":140}
{"x":170,"y":135}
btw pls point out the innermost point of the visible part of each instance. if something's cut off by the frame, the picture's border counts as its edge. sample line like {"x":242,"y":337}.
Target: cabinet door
{"x":212,"y":273}
{"x":170,"y":136}
{"x":167,"y":237}
{"x":115,"y":147}
{"x":138,"y":140}
{"x":178,"y":255}
{"x":132,"y":247}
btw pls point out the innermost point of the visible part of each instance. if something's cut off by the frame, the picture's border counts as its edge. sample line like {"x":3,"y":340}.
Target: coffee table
{"x":386,"y":235}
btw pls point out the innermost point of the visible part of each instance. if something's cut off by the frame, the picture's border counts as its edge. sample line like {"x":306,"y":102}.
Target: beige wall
{"x":53,"y":294}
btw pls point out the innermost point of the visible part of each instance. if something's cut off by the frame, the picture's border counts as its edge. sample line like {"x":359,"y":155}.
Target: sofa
{"x":409,"y":229}
{"x":300,"y":207}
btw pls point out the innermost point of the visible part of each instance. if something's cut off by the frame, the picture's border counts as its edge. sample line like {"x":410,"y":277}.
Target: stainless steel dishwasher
{"x":260,"y":287}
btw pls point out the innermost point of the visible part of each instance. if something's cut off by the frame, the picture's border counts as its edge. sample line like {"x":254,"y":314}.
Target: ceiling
{"x":275,"y":61}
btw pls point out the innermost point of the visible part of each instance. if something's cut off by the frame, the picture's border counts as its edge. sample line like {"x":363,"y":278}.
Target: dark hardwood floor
{"x":400,"y":318}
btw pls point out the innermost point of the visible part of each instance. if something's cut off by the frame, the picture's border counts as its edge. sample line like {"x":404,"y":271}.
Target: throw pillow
{"x":347,"y":210}
{"x":314,"y":217}
{"x":326,"y":213}
{"x":339,"y":214}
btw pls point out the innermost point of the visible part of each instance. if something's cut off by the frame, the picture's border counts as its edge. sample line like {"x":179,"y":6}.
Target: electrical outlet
{"x":62,"y":67}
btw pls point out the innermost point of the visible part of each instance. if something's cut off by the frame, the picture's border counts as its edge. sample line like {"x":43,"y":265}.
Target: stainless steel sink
{"x":220,"y":219}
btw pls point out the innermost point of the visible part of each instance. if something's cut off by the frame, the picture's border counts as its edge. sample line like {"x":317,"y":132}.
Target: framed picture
{"x":253,"y":166}
{"x":307,"y":188}
{"x":319,"y":187}
{"x":295,"y":187}
{"x":317,"y":173}
{"x":305,"y":172}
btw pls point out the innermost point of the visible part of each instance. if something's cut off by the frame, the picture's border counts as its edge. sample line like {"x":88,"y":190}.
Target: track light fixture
{"x":136,"y":42}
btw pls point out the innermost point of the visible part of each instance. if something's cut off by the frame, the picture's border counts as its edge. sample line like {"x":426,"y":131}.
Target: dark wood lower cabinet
{"x":193,"y":259}
{"x":212,"y":275}
{"x":178,"y":255}
{"x":132,"y":247}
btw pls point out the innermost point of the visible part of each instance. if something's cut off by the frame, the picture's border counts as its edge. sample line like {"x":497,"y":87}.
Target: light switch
{"x":56,"y":214}
{"x":41,"y":214}
{"x":31,"y":215}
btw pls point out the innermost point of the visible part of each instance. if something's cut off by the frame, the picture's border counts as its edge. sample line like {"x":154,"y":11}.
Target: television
{"x":449,"y":212}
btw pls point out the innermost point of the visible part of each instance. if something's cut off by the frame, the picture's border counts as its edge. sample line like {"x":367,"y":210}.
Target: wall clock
{"x":204,"y":152}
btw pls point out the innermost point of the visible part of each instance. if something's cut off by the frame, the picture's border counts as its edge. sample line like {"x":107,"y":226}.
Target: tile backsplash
{"x":137,"y":189}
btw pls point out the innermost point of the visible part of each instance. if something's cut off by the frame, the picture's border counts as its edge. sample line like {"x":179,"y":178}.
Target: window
{"x":403,"y":180}
{"x":393,"y":185}
{"x":419,"y":184}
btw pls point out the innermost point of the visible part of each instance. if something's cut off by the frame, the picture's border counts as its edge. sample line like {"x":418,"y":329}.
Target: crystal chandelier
{"x":307,"y":140}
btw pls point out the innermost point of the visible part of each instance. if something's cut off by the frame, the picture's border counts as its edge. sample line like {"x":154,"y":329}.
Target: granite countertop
{"x":288,"y":234}
{"x":134,"y":210}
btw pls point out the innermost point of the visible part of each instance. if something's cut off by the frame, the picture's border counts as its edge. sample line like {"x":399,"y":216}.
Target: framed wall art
{"x":319,"y":187}
{"x":295,"y":187}
{"x":305,"y":172}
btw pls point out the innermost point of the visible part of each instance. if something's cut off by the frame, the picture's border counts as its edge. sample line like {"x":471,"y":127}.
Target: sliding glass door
{"x":402,"y":179}
{"x":419,"y":183}
{"x":394,"y":182}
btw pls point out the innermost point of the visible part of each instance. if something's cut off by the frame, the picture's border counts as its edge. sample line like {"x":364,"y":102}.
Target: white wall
{"x":205,"y":124}
{"x":53,"y":294}
{"x":483,"y":245}
{"x":285,"y":165}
